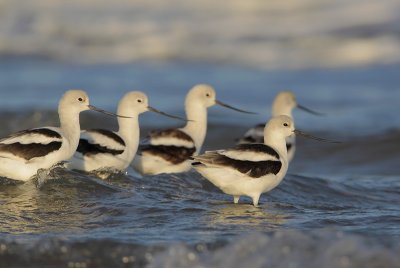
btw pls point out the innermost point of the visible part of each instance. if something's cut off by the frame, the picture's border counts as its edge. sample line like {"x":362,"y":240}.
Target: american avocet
{"x":283,"y":104}
{"x":251,"y":169}
{"x":101,"y":149}
{"x":169,"y":151}
{"x":22,"y":154}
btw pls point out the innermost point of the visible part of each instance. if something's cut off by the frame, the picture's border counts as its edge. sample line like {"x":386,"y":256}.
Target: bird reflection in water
{"x":41,"y":207}
{"x":263,"y":217}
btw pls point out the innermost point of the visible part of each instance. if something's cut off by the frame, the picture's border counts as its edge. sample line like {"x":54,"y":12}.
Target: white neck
{"x":278,"y":109}
{"x":277,"y":141}
{"x":129,"y":131}
{"x":70,"y":127}
{"x":197,"y":126}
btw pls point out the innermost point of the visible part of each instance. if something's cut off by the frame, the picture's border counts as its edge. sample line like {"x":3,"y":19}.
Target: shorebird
{"x":251,"y":169}
{"x":283,"y":104}
{"x":101,"y":149}
{"x":23,"y":153}
{"x":170,"y":150}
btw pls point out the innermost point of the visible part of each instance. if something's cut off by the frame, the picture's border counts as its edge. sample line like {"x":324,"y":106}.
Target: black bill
{"x":232,"y":108}
{"x":151,"y":109}
{"x":94,"y":108}
{"x":301,"y":133}
{"x":308,"y":110}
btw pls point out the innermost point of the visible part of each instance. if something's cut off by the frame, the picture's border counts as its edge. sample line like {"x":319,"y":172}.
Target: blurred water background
{"x":337,"y":207}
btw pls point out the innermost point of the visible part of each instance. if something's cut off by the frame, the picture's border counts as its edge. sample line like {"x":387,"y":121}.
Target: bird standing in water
{"x":23,"y":153}
{"x":170,"y":150}
{"x":251,"y":169}
{"x":106,"y":150}
{"x":283,"y":104}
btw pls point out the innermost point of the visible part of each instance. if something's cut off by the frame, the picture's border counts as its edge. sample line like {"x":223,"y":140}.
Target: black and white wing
{"x":172,"y":145}
{"x":253,"y":135}
{"x":100,"y":141}
{"x":256,"y":135}
{"x":31,"y":143}
{"x":255,"y":160}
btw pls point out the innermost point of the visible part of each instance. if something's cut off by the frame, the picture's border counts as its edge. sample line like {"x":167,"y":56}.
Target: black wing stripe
{"x":45,"y":132}
{"x":31,"y":150}
{"x":110,"y":135}
{"x":289,"y":146}
{"x":172,"y":154}
{"x":40,"y":131}
{"x":257,"y":148}
{"x":86,"y":148}
{"x":253,"y":139}
{"x":254,"y":169}
{"x":172,"y":133}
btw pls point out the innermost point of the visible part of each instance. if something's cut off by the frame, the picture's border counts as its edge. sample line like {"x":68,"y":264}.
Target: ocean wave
{"x":296,"y":34}
{"x":130,"y":203}
{"x":284,"y":248}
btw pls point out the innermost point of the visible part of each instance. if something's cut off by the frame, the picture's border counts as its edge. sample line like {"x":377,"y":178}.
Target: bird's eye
{"x":139,"y":100}
{"x":80,"y":99}
{"x":285,"y":124}
{"x":207,"y":95}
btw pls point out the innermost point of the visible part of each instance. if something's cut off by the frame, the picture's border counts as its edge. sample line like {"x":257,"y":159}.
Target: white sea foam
{"x":267,"y":34}
{"x":288,"y":248}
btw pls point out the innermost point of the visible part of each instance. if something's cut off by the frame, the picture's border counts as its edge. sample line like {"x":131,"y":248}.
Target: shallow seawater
{"x":337,"y":206}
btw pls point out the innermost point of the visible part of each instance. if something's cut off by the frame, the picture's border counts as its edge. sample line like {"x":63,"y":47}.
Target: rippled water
{"x":77,"y":218}
{"x":337,"y":207}
{"x":185,"y":207}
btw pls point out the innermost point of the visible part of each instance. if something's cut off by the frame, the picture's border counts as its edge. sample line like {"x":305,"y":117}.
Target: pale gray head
{"x":201,"y":94}
{"x":285,"y":102}
{"x":281,"y":125}
{"x":205,"y":96}
{"x":75,"y":100}
{"x":135,"y":103}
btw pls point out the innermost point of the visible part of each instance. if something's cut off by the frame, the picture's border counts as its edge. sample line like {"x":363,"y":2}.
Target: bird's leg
{"x":255,"y":200}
